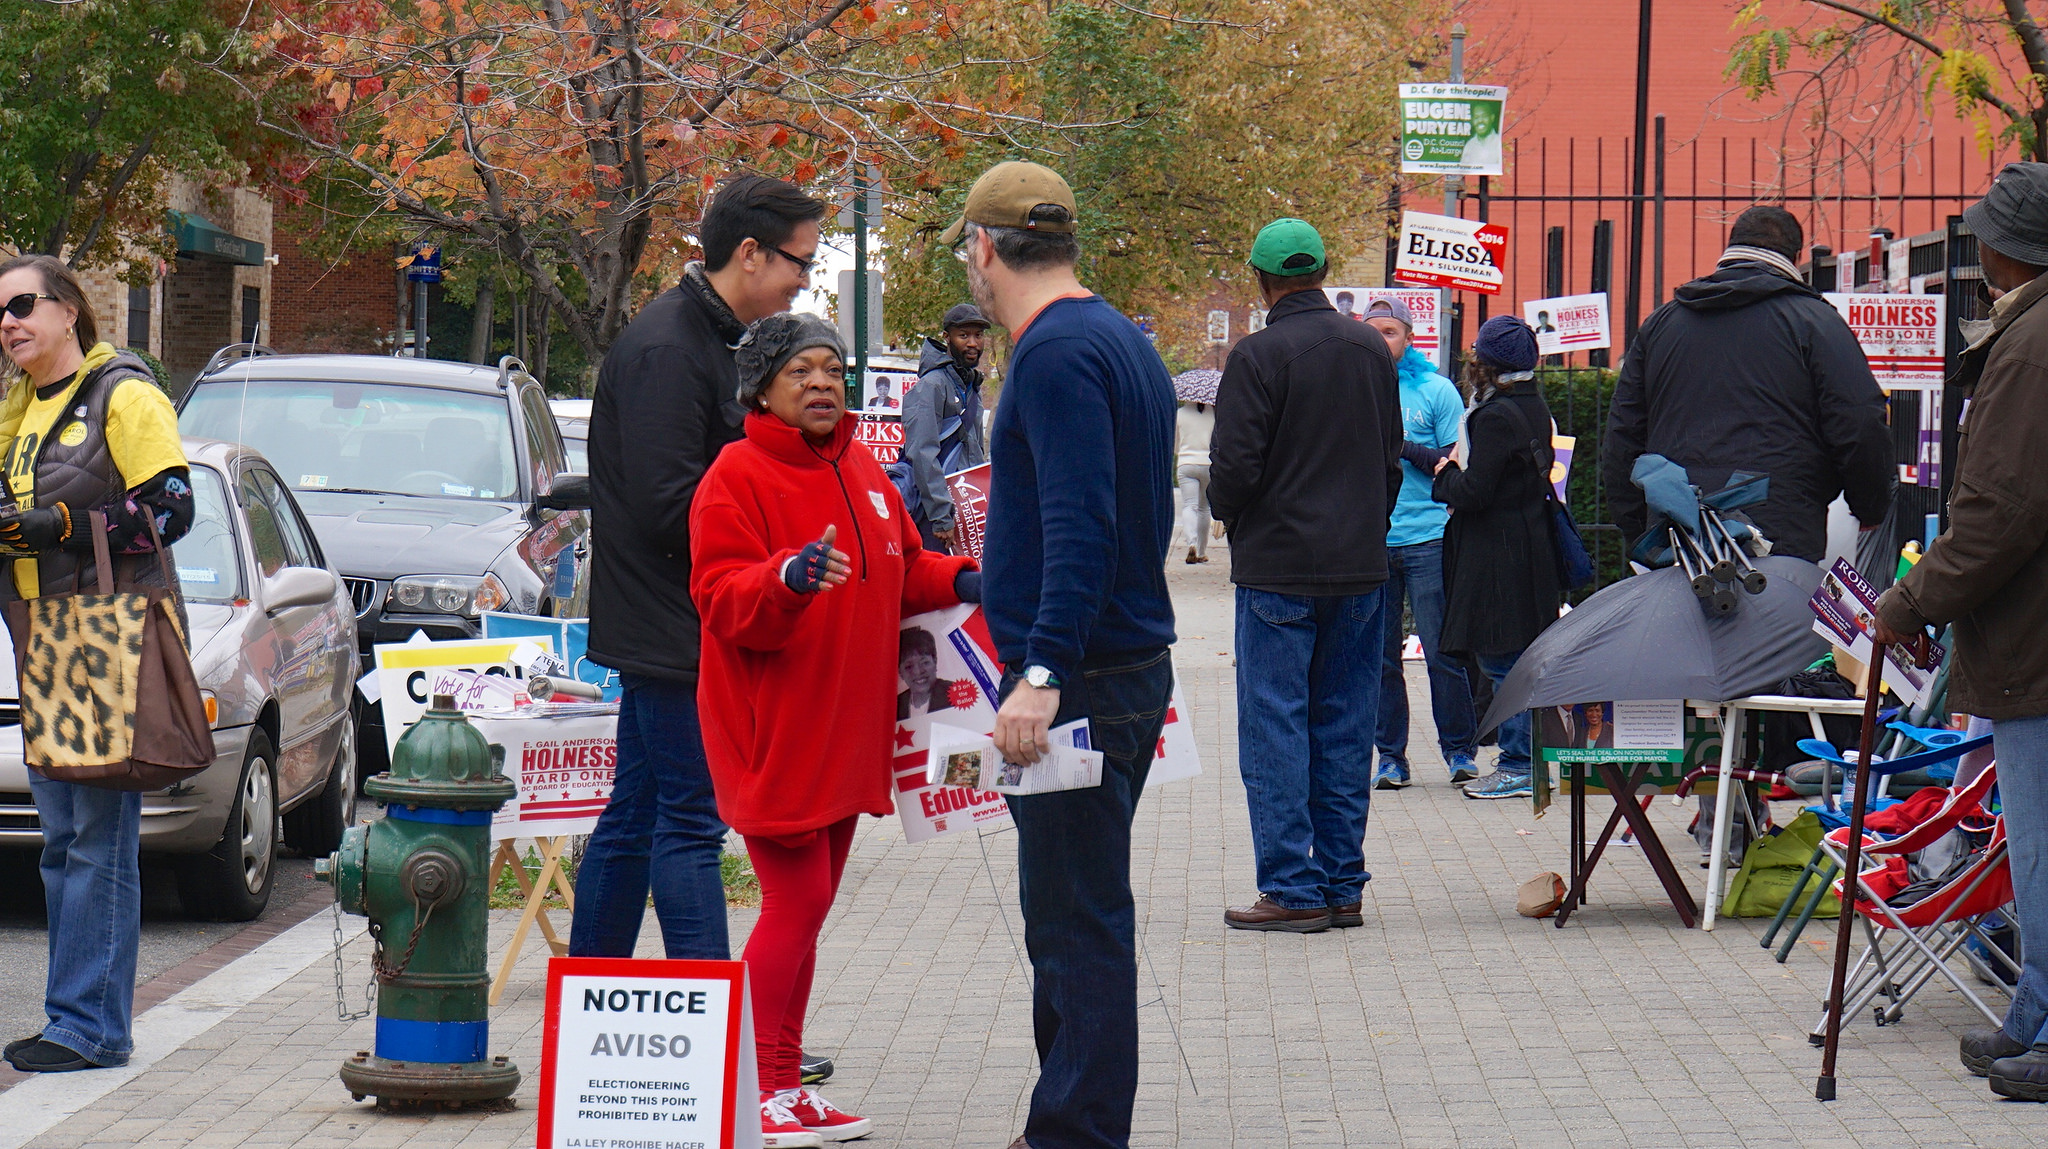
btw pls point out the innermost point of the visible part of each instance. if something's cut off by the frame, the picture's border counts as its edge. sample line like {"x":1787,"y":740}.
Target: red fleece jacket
{"x":797,"y":692}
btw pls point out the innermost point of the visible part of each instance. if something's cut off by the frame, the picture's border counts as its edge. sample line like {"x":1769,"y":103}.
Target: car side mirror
{"x":570,"y":492}
{"x":297,"y":586}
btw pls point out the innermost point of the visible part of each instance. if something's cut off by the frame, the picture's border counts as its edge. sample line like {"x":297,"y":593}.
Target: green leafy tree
{"x":104,"y":99}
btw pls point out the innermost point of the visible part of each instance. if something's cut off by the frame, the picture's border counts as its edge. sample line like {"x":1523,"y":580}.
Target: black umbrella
{"x":1647,"y":637}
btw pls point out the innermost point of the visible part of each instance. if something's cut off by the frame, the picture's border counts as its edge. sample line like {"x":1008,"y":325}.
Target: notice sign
{"x":1427,"y":334}
{"x":1567,"y":323}
{"x":1451,"y":129}
{"x":648,"y":1055}
{"x":1444,"y":251}
{"x":1903,"y":336}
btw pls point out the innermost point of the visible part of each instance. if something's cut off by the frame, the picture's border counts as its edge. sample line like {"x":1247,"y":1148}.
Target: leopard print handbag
{"x":108,"y":696}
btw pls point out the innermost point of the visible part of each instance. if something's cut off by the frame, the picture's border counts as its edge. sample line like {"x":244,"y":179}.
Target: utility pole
{"x":1450,"y":331}
{"x":857,"y":399}
{"x":1633,"y":308}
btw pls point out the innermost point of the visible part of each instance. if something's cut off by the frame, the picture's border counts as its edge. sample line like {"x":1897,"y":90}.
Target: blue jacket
{"x":1430,"y":410}
{"x":1080,"y":503}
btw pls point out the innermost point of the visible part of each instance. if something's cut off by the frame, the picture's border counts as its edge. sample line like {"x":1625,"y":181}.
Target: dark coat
{"x":941,"y":430}
{"x":1988,"y":572}
{"x":665,"y":406}
{"x":1501,"y":583}
{"x":1746,"y":370}
{"x":1305,"y":461}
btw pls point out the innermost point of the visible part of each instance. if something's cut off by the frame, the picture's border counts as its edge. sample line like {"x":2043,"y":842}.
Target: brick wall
{"x":319,"y":304}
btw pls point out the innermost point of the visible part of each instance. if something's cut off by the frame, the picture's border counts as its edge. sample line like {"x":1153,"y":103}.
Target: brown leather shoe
{"x":1349,"y":916}
{"x":1266,"y":914}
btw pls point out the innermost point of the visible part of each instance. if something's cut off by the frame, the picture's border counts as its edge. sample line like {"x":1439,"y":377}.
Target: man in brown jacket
{"x":1988,"y":576}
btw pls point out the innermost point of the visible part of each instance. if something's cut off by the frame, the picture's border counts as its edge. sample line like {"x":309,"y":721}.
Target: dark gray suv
{"x":439,"y":490}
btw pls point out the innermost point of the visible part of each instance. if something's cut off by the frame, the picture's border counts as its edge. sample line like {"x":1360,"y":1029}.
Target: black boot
{"x":2023,"y":1078}
{"x":1981,"y":1047}
{"x":48,"y":1057}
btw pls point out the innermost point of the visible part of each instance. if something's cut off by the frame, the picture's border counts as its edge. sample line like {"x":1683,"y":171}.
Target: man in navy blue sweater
{"x":1079,"y":514}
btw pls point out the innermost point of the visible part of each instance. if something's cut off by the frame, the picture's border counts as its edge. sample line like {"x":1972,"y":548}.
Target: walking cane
{"x":1852,"y":864}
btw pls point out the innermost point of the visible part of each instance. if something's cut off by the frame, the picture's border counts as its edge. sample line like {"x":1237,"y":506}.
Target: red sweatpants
{"x":799,"y":879}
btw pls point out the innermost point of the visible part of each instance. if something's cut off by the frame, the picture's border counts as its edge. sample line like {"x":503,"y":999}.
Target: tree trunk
{"x":481,"y":326}
{"x":539,"y":329}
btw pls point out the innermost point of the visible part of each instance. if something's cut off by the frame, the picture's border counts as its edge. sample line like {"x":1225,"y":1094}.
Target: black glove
{"x":805,"y":574}
{"x":35,"y":530}
{"x":967,"y":585}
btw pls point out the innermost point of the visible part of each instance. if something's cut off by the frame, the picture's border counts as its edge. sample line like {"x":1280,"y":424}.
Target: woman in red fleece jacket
{"x":803,"y":563}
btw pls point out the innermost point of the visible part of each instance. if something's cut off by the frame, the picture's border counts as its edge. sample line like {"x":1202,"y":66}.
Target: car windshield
{"x":208,"y":569}
{"x":365,"y":436}
{"x":576,"y":443}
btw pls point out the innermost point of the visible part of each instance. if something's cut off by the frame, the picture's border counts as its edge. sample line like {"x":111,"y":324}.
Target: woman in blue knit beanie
{"x":1502,"y":585}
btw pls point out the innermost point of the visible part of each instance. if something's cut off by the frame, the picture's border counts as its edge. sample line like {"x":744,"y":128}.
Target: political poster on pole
{"x":1445,"y":251}
{"x":1451,"y":129}
{"x":1568,"y":323}
{"x":883,"y":434}
{"x":1424,"y":307}
{"x":1903,"y":336}
{"x":648,"y":1053}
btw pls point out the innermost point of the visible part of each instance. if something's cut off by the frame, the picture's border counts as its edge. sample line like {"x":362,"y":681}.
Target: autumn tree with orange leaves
{"x":576,"y":139}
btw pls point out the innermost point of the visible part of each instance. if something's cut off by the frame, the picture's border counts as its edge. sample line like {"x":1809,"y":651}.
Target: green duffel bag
{"x":1771,"y":868}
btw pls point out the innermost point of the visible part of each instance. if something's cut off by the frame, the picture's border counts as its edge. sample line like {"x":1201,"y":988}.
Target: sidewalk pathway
{"x":1447,"y":1020}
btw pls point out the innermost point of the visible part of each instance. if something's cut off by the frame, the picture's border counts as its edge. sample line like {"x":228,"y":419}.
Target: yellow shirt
{"x":142,"y":436}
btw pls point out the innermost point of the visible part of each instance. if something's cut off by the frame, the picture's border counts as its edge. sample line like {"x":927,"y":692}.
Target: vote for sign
{"x":1903,"y":336}
{"x":648,"y":1055}
{"x":1568,"y":322}
{"x":1444,"y":251}
{"x":883,"y":434}
{"x":1451,"y":129}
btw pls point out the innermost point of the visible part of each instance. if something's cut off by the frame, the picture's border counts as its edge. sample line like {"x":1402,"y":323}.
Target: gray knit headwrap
{"x":772,"y":342}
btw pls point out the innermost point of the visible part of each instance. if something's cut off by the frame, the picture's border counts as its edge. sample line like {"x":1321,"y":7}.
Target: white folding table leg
{"x":1731,"y":737}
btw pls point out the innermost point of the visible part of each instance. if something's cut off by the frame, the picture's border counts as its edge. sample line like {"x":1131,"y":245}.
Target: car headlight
{"x":465,"y":595}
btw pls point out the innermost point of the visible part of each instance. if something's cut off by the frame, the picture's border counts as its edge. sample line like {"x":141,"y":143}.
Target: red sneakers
{"x":821,"y":1117}
{"x":780,"y":1128}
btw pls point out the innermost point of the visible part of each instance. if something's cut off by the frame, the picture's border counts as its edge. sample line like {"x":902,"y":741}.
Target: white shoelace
{"x":817,"y":1102}
{"x":775,"y":1108}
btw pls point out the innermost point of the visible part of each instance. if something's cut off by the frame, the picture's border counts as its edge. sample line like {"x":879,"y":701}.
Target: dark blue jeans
{"x":661,"y":824}
{"x":2023,"y":789}
{"x":1417,"y":573}
{"x":1074,"y":880}
{"x":1308,"y":682}
{"x":1514,"y":731}
{"x":92,"y":891}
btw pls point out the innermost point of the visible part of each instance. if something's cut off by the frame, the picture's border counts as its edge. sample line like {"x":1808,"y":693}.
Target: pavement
{"x":1446,"y":1020}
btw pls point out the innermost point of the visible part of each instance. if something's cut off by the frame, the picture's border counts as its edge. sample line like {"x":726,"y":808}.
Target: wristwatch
{"x":1041,"y":677}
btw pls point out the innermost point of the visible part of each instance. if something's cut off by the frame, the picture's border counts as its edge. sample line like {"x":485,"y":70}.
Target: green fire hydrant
{"x":419,"y":874}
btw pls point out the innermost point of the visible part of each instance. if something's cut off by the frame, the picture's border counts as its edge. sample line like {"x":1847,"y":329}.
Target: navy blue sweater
{"x":1080,"y":507}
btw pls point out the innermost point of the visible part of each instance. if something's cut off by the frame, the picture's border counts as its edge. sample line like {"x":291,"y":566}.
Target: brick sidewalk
{"x":1447,"y":1020}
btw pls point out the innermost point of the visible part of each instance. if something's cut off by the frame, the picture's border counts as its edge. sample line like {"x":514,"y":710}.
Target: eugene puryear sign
{"x":648,"y":1055}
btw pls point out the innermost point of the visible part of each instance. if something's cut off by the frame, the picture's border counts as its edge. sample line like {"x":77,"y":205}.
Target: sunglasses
{"x":803,"y":265}
{"x":24,"y":305}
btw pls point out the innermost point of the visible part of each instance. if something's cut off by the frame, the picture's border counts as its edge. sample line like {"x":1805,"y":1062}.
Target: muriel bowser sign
{"x":648,"y":1055}
{"x":1444,"y":251}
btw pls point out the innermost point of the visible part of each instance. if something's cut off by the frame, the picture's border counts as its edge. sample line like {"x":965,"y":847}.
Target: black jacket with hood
{"x":1747,"y":370}
{"x":666,"y":404}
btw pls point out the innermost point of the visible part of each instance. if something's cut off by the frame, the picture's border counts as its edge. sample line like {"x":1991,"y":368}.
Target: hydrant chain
{"x":341,"y":1009}
{"x":387,"y":973}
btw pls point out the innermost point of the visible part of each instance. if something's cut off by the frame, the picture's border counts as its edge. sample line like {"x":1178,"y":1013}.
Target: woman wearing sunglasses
{"x":85,"y":430}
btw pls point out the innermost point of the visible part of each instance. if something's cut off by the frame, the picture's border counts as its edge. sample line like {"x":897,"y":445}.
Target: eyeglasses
{"x":803,"y":265}
{"x":24,"y":305}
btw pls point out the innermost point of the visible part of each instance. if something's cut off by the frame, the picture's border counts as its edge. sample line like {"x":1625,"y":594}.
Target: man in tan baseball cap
{"x":1007,"y":194}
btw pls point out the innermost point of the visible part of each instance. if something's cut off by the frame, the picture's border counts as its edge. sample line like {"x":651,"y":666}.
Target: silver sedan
{"x":274,"y":647}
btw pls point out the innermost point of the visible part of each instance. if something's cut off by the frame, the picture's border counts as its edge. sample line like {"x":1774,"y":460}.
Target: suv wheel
{"x":315,"y":826}
{"x":231,"y":882}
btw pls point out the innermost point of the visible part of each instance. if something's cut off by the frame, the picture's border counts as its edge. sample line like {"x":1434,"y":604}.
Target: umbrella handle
{"x":1852,"y":879}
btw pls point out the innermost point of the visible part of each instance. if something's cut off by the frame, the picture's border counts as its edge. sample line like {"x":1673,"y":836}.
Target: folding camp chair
{"x":1912,"y":939}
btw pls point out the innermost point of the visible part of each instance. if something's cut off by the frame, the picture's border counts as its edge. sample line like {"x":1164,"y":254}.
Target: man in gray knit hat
{"x":1987,"y":575}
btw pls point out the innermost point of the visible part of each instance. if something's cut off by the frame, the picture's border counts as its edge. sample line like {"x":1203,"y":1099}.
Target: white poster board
{"x":563,"y":768}
{"x":1425,"y":306}
{"x":1444,"y":251}
{"x":410,"y":674}
{"x":1567,"y":323}
{"x":1452,"y":129}
{"x":1905,"y":337}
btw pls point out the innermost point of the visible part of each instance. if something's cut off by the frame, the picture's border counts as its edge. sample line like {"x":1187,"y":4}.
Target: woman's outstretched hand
{"x":819,"y":566}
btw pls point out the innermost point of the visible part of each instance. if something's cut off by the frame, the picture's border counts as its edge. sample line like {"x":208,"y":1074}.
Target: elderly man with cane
{"x":1987,"y":576}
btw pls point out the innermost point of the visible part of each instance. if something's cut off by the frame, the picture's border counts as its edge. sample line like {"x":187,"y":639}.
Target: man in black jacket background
{"x":1749,"y":369}
{"x":1304,"y":469}
{"x":665,"y":405}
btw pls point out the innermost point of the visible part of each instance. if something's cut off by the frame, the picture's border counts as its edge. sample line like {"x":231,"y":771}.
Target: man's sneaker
{"x":21,"y":1043}
{"x":2022,"y":1078}
{"x":812,"y":1069}
{"x":49,"y":1057}
{"x":826,"y":1119}
{"x":1392,"y":774}
{"x":779,"y":1127}
{"x":1499,"y":785}
{"x":1266,"y":914}
{"x":1463,"y":769}
{"x":1986,"y":1044}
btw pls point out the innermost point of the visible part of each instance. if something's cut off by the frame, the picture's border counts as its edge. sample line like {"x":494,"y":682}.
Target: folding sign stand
{"x":1622,"y":785}
{"x":536,"y":891}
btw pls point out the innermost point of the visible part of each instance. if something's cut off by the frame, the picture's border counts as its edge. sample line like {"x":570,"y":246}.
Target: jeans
{"x":2022,"y":746}
{"x":1418,"y":572}
{"x":1514,"y":732}
{"x":661,"y":824}
{"x":1308,"y":680}
{"x":1194,"y":506}
{"x":92,"y":888}
{"x":1080,"y":927}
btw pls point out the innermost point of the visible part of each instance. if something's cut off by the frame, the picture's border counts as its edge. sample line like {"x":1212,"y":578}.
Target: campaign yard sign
{"x":563,"y":768}
{"x":1903,"y":336}
{"x":1566,"y":323}
{"x":1451,"y":129}
{"x":882,"y":432}
{"x":1424,"y":305}
{"x":1444,"y":251}
{"x":646,"y":1054}
{"x":570,"y":638}
{"x":410,"y":674}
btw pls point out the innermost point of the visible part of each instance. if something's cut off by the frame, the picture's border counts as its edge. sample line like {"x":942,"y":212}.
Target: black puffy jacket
{"x":1746,"y":370}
